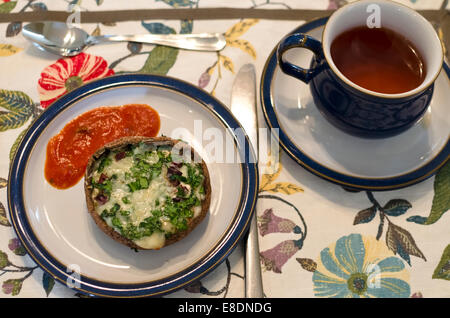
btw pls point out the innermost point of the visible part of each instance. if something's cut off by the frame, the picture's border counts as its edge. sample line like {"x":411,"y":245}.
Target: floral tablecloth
{"x":316,"y":239}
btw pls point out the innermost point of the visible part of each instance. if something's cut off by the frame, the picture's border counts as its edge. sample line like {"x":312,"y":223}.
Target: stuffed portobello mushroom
{"x":145,"y":193}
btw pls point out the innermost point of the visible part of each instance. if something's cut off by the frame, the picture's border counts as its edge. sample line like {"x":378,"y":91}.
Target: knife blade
{"x":243,"y":107}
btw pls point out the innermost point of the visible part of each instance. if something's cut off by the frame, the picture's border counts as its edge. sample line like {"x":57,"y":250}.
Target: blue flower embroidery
{"x":357,"y":266}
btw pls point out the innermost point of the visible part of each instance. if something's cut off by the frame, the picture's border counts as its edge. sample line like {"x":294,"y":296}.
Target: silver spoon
{"x":58,"y":38}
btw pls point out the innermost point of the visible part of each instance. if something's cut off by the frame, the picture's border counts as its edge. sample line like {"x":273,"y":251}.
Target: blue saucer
{"x":347,"y":160}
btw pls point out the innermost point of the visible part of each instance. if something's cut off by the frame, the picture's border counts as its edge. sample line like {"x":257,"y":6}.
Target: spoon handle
{"x":196,"y":42}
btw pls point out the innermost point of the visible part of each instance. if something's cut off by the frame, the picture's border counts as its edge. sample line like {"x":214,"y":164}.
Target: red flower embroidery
{"x":69,"y":73}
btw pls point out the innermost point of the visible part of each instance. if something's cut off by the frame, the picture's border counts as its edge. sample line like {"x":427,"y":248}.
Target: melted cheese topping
{"x":154,"y":241}
{"x":127,"y":207}
{"x":144,"y":201}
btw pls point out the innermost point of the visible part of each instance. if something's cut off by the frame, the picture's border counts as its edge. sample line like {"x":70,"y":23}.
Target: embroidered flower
{"x":14,"y":243}
{"x":204,"y":79}
{"x":8,"y":287}
{"x":357,"y":266}
{"x":274,"y":258}
{"x":69,"y":73}
{"x":12,"y":286}
{"x":15,"y":246}
{"x":270,"y":223}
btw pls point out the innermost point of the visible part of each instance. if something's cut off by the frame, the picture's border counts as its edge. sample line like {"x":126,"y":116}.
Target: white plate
{"x":373,"y":164}
{"x":61,"y":236}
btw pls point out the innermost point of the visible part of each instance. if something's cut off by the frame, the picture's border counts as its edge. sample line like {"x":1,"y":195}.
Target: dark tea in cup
{"x":369,"y":80}
{"x":378,"y":59}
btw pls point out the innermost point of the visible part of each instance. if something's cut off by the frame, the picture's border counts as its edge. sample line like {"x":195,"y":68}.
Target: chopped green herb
{"x":143,"y":183}
{"x":131,"y":232}
{"x":195,"y":178}
{"x":133,"y":186}
{"x":181,"y":192}
{"x":115,"y":208}
{"x":106,"y":161}
{"x":165,"y":157}
{"x":105,"y":187}
{"x":148,"y":164}
{"x":105,"y":213}
{"x":116,"y":222}
{"x":124,"y":213}
{"x":179,"y":178}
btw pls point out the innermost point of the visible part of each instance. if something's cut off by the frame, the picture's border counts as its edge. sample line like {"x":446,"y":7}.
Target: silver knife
{"x":243,"y":107}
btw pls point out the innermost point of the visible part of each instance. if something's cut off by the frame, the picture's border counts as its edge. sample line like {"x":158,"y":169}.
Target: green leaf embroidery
{"x":442,"y":271}
{"x":186,"y":26}
{"x":16,"y":247}
{"x":160,"y":60}
{"x":441,"y":199}
{"x":12,"y":286}
{"x":3,"y":260}
{"x":134,"y":47}
{"x":3,"y":219}
{"x":19,"y":108}
{"x":16,"y":143}
{"x":417,"y":219}
{"x":365,"y":216}
{"x":7,"y":7}
{"x":396,"y":207}
{"x":307,"y":264}
{"x":401,"y":242}
{"x":47,"y":282}
{"x":158,"y":28}
{"x":38,"y":6}
{"x":13,"y":29}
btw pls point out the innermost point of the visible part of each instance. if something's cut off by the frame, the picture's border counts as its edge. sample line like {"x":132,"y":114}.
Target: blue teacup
{"x":348,"y":106}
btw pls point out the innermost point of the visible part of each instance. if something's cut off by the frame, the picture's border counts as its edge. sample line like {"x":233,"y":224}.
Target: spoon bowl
{"x":60,"y":39}
{"x":56,"y":38}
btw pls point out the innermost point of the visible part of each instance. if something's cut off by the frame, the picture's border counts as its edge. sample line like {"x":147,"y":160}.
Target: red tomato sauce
{"x":69,"y":151}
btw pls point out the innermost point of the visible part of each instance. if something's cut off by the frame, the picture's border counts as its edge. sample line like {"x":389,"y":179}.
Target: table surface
{"x":307,"y":226}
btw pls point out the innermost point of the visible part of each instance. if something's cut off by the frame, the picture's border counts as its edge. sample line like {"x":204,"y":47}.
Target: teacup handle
{"x":303,"y":41}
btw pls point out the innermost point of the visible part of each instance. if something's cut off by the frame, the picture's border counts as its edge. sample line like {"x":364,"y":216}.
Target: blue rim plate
{"x":60,"y":235}
{"x":352,"y":162}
